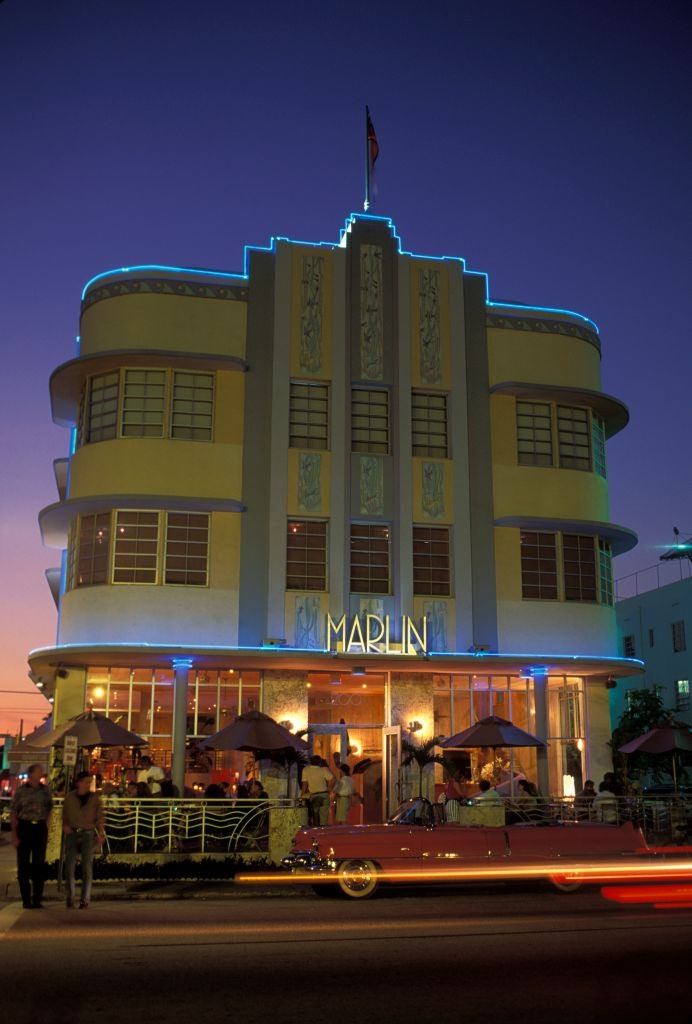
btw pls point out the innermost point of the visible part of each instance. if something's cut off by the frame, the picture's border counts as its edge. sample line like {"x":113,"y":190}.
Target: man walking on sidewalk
{"x":82,"y":823}
{"x":29,"y":815}
{"x":317,"y":785}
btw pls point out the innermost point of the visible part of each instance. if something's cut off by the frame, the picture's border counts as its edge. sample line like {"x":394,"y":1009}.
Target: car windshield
{"x":414,"y":812}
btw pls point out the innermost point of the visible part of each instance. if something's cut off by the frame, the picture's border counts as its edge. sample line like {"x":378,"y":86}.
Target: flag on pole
{"x":372,"y":151}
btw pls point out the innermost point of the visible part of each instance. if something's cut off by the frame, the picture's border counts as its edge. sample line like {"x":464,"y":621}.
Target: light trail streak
{"x":597,"y":872}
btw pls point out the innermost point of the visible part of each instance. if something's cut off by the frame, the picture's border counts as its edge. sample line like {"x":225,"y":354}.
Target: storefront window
{"x":250,"y":692}
{"x":163,"y":702}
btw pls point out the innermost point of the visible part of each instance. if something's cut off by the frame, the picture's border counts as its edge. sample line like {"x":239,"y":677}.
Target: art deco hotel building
{"x":344,"y":487}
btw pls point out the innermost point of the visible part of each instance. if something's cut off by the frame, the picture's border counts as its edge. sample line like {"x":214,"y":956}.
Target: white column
{"x":181,"y":667}
{"x":540,"y":697}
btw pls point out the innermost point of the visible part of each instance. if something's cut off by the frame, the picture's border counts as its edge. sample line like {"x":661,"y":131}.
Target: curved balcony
{"x":612,"y":411}
{"x":620,"y":538}
{"x":67,"y":380}
{"x":54,"y":520}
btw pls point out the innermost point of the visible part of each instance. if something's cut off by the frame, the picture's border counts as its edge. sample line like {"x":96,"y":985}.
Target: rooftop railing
{"x":652,"y":578}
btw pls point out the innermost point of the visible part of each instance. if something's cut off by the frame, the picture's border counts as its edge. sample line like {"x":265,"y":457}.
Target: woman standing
{"x":344,"y":792}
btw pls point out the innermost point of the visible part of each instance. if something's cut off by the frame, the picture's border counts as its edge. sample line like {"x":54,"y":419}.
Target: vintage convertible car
{"x":417,"y":844}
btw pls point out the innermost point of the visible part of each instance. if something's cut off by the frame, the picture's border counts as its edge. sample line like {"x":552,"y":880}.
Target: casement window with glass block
{"x":605,"y":572}
{"x":135,"y":557}
{"x":308,"y":415}
{"x":192,"y":407}
{"x":176,"y":404}
{"x":539,"y":579}
{"x":431,"y":560}
{"x":598,"y":443}
{"x":101,"y":408}
{"x":306,"y":554}
{"x":187,"y":548}
{"x":144,"y":403}
{"x":370,"y":420}
{"x":579,"y":564}
{"x":370,"y":554}
{"x":573,"y":437}
{"x":88,"y":551}
{"x":429,"y":424}
{"x":534,"y":434}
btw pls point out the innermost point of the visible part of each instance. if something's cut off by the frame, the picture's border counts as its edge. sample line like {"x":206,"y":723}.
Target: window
{"x":573,"y":437}
{"x":682,"y":694}
{"x":308,"y":416}
{"x":539,"y":566}
{"x":136,"y":547}
{"x":678,"y":630}
{"x":144,"y":399}
{"x":534,"y":434}
{"x":369,"y":420}
{"x":102,"y":407}
{"x":605,"y":572}
{"x":579,"y":562}
{"x":187,"y":548}
{"x":90,"y":554}
{"x":431,"y":560}
{"x":629,"y":649}
{"x":193,"y":406}
{"x":598,"y":443}
{"x":369,"y":558}
{"x":429,"y":422}
{"x":651,"y":638}
{"x":306,"y":555}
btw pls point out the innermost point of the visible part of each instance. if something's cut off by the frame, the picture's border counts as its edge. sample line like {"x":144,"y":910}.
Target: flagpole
{"x":366,"y":204}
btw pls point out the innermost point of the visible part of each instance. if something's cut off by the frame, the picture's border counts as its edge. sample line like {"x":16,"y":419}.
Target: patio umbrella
{"x":254,"y":731}
{"x":493,"y":732}
{"x":92,"y":729}
{"x":663,"y":739}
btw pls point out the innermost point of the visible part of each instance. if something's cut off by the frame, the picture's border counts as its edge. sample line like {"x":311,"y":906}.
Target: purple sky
{"x":547,"y":143}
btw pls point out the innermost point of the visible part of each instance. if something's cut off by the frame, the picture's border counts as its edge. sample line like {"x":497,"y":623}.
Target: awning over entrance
{"x":46,"y":660}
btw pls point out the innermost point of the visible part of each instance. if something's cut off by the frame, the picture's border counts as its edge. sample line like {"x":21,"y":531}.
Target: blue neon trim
{"x":182,"y":662}
{"x":73,"y":442}
{"x":348,"y":224}
{"x":545,"y":309}
{"x":543,"y":658}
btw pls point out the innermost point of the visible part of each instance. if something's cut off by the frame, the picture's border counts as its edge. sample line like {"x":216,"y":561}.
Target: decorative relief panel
{"x":371,"y":606}
{"x":311,"y":296}
{"x":433,"y":489}
{"x":436,"y":612}
{"x":429,"y":326}
{"x":516,"y":323}
{"x":371,"y":486}
{"x":165,"y":286}
{"x":371,"y":313}
{"x":308,"y":630}
{"x":309,"y":482}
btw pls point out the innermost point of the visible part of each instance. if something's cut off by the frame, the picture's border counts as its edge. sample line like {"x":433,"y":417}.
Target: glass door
{"x":391,"y":769}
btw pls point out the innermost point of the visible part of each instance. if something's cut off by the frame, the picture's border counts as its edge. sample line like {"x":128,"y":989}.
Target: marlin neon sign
{"x":370,"y":634}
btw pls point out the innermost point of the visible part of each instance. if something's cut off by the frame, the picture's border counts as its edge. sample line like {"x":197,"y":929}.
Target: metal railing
{"x":652,"y":578}
{"x":662,"y":818}
{"x":187,"y":826}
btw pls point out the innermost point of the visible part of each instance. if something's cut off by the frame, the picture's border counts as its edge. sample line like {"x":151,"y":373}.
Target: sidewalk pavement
{"x":132,"y":890}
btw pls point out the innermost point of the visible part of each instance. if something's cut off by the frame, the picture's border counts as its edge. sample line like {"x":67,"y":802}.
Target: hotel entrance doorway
{"x":345,"y":723}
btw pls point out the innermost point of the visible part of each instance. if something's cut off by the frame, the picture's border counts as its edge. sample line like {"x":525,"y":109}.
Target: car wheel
{"x":357,"y":878}
{"x":560,"y":883}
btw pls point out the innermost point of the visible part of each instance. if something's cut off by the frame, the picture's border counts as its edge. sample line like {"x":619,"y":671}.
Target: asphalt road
{"x":473,"y":955}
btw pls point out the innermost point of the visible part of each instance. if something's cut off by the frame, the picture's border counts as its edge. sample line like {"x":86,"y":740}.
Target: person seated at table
{"x":109,"y":798}
{"x":142,"y":789}
{"x":488,"y":794}
{"x":214,"y":792}
{"x":256,"y":790}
